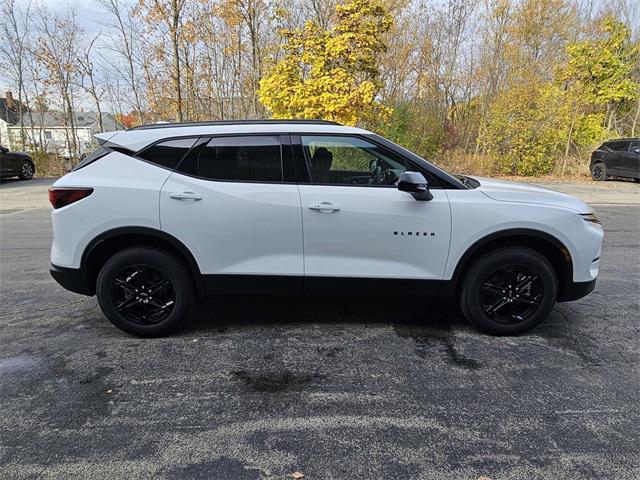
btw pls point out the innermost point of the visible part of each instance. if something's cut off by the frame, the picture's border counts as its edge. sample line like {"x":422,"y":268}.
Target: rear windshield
{"x":100,"y":152}
{"x":97,"y":154}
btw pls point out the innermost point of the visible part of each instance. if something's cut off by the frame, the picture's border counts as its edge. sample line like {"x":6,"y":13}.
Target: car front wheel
{"x":508,"y":291}
{"x":26,"y":170}
{"x":145,"y":291}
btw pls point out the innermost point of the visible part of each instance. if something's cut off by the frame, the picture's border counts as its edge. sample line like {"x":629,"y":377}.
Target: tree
{"x":14,"y":27}
{"x":88,"y":78}
{"x":57,"y":52}
{"x":125,"y":43}
{"x":167,"y":16}
{"x":331,"y":74}
{"x":600,"y":69}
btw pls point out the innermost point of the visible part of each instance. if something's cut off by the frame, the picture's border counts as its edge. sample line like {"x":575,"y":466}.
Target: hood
{"x":505,"y":191}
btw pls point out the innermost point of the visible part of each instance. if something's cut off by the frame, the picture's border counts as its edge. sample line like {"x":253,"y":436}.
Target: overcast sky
{"x":88,"y":13}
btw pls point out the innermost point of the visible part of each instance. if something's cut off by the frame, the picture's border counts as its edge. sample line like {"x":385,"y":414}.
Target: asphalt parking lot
{"x":253,"y":390}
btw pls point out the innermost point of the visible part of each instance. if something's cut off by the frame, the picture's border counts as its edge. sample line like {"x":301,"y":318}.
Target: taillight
{"x":63,"y":196}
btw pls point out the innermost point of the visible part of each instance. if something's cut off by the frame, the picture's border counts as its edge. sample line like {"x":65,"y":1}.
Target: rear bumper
{"x":72,"y":279}
{"x":576,"y":290}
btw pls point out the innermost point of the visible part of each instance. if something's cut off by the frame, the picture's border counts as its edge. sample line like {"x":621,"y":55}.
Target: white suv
{"x":162,"y":215}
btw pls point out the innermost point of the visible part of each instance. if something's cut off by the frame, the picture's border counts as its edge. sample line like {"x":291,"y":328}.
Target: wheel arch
{"x":107,"y":243}
{"x":545,"y":244}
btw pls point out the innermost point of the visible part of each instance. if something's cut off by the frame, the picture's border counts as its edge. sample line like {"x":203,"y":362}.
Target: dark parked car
{"x":616,"y":158}
{"x":16,"y":164}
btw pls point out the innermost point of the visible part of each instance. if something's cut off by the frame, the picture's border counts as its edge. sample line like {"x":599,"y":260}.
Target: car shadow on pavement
{"x":240,"y":312}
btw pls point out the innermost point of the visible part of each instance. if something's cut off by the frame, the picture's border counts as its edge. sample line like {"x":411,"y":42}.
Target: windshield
{"x":453,"y":179}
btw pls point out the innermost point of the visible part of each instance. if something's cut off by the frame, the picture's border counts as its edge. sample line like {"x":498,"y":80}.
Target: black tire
{"x":599,"y":172}
{"x":27,"y":170}
{"x":637,"y":180}
{"x":490,"y":281}
{"x":122,"y":297}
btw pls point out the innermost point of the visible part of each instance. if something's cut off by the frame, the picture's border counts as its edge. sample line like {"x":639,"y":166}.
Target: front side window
{"x":168,"y":154}
{"x":351,"y":161}
{"x":635,"y":147}
{"x":241,"y":159}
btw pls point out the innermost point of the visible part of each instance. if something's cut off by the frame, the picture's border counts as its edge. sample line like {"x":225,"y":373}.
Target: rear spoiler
{"x":104,"y":137}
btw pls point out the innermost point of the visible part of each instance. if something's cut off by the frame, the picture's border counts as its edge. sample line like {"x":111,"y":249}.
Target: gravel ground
{"x":253,"y":390}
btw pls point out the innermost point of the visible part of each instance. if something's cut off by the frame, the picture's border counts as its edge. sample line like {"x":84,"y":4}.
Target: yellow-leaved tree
{"x":331,"y":74}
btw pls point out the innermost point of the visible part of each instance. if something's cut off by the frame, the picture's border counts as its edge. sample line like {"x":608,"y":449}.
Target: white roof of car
{"x":137,"y":138}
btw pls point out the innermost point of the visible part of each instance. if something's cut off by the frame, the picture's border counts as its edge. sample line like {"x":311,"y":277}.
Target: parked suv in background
{"x":16,"y":164}
{"x":616,"y":158}
{"x":162,"y":215}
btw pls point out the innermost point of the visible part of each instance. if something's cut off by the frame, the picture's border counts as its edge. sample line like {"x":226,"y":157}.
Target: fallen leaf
{"x":297,"y":474}
{"x":483,"y":478}
{"x":109,"y":391}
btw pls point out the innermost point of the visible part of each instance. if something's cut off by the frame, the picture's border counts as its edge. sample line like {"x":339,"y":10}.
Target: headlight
{"x":590,"y":217}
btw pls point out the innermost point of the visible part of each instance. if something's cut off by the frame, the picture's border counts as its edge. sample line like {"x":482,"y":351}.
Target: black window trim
{"x":446,"y":181}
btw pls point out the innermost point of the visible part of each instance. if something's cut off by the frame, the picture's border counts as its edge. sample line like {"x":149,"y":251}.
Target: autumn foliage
{"x":331,"y":74}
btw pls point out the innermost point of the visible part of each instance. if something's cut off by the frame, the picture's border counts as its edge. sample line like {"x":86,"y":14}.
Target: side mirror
{"x":3,"y":149}
{"x":415,"y":184}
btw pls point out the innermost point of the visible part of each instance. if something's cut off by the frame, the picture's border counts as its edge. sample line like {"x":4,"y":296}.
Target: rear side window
{"x":240,"y":159}
{"x":167,"y":154}
{"x":618,"y":146}
{"x":97,"y":154}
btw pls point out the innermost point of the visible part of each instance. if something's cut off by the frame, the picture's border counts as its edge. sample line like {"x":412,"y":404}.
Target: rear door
{"x":632,"y":160}
{"x":229,"y":204}
{"x":358,"y":225}
{"x":614,"y":158}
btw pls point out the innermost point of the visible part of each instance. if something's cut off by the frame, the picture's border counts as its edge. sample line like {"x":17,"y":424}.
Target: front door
{"x":228,"y":204}
{"x":357,"y":225}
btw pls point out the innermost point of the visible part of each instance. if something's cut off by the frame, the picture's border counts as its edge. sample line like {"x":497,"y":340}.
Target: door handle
{"x":324,"y":207}
{"x":185,"y":196}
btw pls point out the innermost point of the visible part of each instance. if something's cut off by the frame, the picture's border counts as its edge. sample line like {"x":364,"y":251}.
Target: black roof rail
{"x":152,"y":126}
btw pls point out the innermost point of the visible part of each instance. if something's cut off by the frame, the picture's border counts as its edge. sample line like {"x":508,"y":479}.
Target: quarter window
{"x":168,"y":154}
{"x":351,"y":161}
{"x":241,"y":159}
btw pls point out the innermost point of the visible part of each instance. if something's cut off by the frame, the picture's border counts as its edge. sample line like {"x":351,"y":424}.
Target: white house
{"x":47,"y":129}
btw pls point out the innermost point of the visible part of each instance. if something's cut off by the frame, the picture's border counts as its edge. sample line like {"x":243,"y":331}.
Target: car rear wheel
{"x":599,"y":172}
{"x":509,"y":291}
{"x":26,"y":170}
{"x":145,"y":291}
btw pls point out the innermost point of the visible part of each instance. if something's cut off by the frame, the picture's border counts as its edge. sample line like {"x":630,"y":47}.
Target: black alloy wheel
{"x":509,"y":290}
{"x":511,"y":294}
{"x":26,"y":170}
{"x":142,"y":294}
{"x":145,"y":291}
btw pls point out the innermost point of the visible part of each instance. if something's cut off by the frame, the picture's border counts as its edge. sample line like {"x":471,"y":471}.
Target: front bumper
{"x":72,"y":279}
{"x":576,"y":290}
